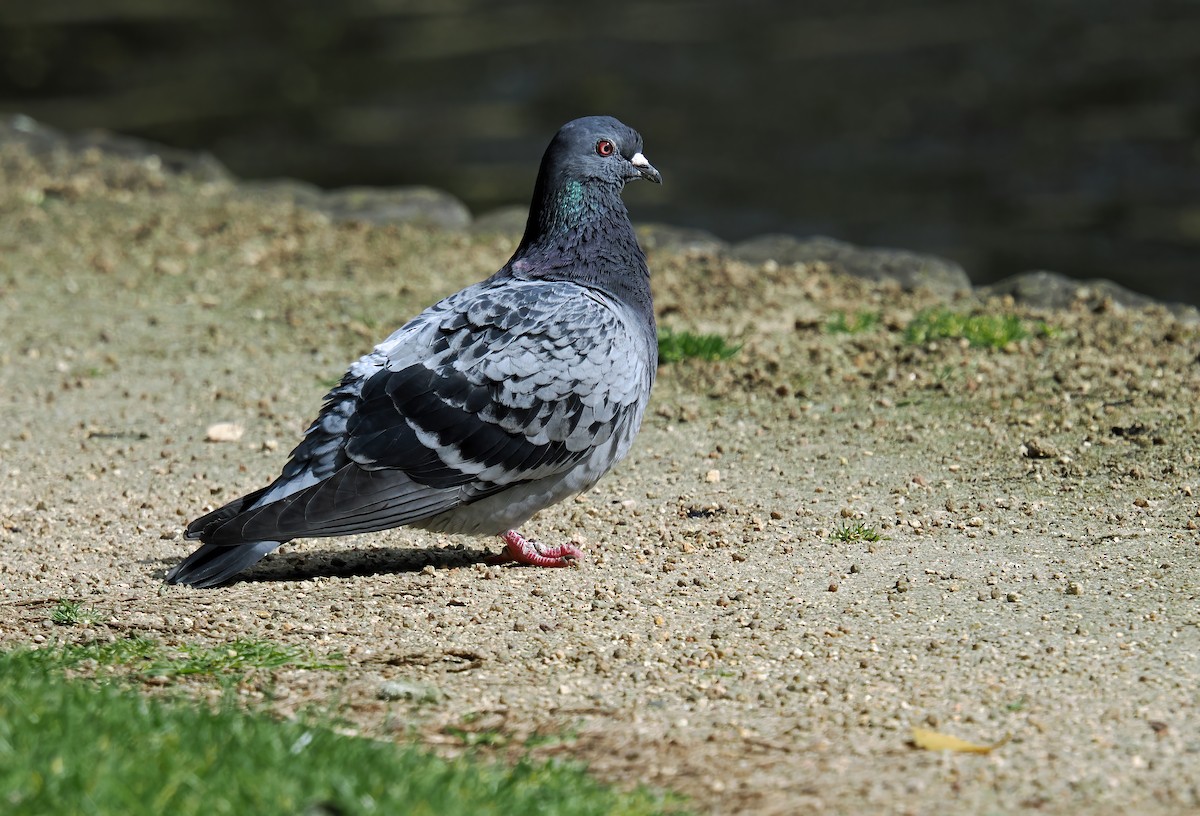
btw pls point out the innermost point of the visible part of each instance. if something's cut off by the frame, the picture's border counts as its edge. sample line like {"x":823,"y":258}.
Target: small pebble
{"x":1038,"y":449}
{"x":224,"y":432}
{"x":407,"y":690}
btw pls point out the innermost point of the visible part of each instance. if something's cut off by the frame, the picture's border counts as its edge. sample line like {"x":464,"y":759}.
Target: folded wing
{"x":499,"y":385}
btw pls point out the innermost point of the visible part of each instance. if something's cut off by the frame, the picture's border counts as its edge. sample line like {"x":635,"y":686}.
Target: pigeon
{"x":494,"y":403}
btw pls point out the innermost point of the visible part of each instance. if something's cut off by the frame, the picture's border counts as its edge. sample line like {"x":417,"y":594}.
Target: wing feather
{"x":504,"y":383}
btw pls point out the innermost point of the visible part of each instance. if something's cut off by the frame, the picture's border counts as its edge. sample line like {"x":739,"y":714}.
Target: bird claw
{"x":519,"y":549}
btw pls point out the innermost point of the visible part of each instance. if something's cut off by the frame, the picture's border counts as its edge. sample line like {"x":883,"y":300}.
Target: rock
{"x":506,"y":221}
{"x":1036,"y":448}
{"x":669,"y":238}
{"x":1050,"y":290}
{"x":40,"y":139}
{"x":300,"y":193}
{"x":408,"y":690}
{"x":224,"y":432}
{"x":422,"y":206}
{"x":908,"y":269}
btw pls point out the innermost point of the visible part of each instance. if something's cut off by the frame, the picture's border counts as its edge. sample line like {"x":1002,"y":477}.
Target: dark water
{"x":1006,"y":134}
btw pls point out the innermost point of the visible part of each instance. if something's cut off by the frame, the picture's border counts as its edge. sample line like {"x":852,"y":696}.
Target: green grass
{"x":149,"y":658}
{"x":73,"y":613}
{"x":849,"y":533}
{"x":487,"y":736}
{"x":239,"y":657}
{"x":987,"y":331}
{"x":859,"y":322}
{"x":72,"y":746}
{"x":675,"y":346}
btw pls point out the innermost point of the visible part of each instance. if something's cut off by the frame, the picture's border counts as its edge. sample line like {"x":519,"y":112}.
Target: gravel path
{"x":1036,"y":577}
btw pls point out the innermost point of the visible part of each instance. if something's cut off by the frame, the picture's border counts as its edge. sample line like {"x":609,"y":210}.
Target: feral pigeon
{"x":490,"y":405}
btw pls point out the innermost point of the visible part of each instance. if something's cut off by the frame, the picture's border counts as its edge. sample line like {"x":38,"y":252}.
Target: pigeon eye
{"x":605,"y":148}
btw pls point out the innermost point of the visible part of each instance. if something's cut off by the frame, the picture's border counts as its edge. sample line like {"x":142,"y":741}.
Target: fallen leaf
{"x":935,"y":741}
{"x":224,"y":432}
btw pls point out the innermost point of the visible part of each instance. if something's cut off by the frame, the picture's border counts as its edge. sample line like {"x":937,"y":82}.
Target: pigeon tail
{"x":200,"y":527}
{"x":213,"y":564}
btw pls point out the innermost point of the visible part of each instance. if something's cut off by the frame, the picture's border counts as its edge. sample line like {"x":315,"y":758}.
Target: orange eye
{"x":605,"y":148}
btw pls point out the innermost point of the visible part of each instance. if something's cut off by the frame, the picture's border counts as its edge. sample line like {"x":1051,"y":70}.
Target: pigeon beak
{"x":645,"y":169}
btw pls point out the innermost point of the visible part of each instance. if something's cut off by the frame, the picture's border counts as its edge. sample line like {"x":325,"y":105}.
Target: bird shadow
{"x":305,"y":566}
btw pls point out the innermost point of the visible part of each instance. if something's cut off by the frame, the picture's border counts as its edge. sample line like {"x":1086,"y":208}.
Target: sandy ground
{"x":1037,"y":580}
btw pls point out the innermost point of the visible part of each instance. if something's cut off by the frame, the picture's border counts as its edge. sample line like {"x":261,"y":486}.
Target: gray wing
{"x":504,"y":383}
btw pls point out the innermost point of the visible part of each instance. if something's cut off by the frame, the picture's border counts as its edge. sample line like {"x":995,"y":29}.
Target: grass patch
{"x":149,"y":658}
{"x":857,"y":323}
{"x":487,"y":736}
{"x":849,"y":533}
{"x":72,"y":613}
{"x":674,"y":346}
{"x":239,"y":657}
{"x":493,"y":737}
{"x":987,"y":331}
{"x":97,"y":655}
{"x":81,"y":747}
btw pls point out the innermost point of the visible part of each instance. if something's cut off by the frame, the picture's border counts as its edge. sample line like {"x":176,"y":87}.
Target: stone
{"x":504,"y":221}
{"x":421,"y":206}
{"x":909,"y":269}
{"x":1041,"y":289}
{"x":670,"y":238}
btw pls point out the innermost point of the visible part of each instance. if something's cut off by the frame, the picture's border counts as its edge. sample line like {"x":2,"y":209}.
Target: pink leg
{"x":522,"y":550}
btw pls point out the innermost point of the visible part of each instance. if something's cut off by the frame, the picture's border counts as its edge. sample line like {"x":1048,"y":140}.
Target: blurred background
{"x":1008,"y":135}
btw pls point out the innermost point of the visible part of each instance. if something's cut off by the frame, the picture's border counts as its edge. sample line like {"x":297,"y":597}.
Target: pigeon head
{"x":597,"y":149}
{"x":578,"y":190}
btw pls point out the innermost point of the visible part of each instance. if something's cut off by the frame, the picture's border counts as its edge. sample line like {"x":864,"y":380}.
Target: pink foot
{"x":520,"y":549}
